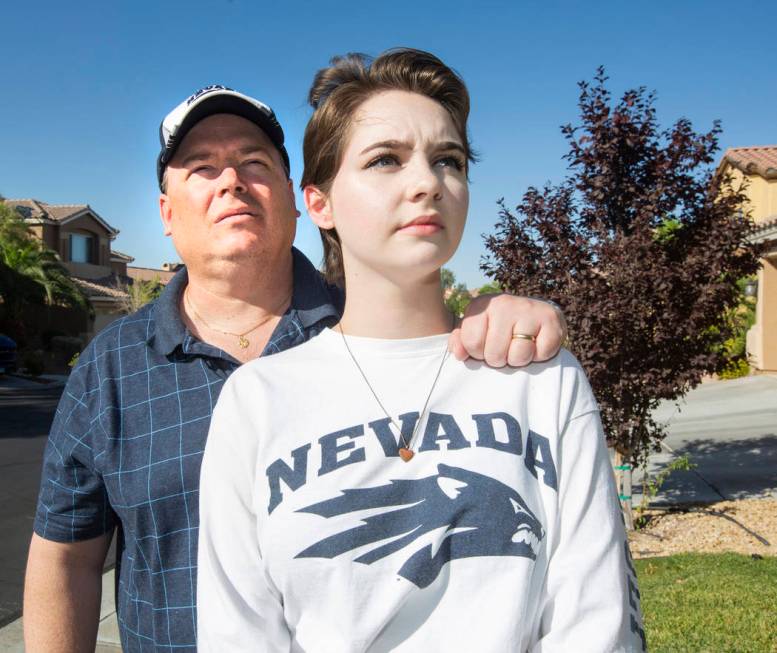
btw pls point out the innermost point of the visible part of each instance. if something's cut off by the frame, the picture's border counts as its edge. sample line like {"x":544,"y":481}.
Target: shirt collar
{"x":312,"y":300}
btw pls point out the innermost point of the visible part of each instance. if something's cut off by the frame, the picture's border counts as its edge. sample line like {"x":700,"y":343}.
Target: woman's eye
{"x":451,"y":162}
{"x":383,"y":161}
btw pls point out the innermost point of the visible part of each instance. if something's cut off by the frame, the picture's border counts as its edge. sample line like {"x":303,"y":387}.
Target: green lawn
{"x":709,"y":603}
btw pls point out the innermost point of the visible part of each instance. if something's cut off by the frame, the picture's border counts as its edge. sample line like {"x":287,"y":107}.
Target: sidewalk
{"x":12,"y":640}
{"x":728,"y":429}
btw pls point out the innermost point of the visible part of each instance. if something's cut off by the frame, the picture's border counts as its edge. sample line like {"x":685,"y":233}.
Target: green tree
{"x":489,"y":288}
{"x":457,"y":297}
{"x":739,"y":320}
{"x":447,"y":278}
{"x":140,"y":293}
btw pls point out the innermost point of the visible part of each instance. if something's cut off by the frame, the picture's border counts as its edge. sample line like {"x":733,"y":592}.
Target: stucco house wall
{"x":757,"y":166}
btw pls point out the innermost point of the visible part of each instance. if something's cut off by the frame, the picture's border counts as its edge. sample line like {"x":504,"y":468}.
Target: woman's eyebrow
{"x":404,"y":145}
{"x":451,"y":145}
{"x":387,"y":145}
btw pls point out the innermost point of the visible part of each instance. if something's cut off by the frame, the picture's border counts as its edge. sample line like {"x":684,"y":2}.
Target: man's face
{"x":227,"y":197}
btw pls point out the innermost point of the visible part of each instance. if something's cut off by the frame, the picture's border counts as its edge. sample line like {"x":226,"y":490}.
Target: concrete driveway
{"x":729,"y":430}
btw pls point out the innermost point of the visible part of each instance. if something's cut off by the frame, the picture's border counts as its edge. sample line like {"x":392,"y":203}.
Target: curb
{"x":40,"y":379}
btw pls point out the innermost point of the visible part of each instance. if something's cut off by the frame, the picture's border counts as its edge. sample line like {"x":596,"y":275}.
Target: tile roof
{"x":37,"y":209}
{"x":104,"y":288}
{"x":760,"y":160}
{"x":32,"y":209}
{"x":121,"y":255}
{"x":767,"y":226}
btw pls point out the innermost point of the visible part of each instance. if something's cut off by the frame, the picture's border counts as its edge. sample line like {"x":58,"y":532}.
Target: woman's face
{"x":399,"y":199}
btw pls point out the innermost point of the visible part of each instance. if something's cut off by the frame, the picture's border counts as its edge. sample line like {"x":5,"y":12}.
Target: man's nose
{"x":230,"y":181}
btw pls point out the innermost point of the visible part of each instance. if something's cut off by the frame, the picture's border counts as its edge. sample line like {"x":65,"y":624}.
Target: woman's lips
{"x":423,"y":226}
{"x":422,"y":229}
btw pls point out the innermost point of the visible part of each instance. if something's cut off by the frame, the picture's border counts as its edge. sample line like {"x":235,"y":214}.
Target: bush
{"x":47,"y":336}
{"x":736,"y":369}
{"x":33,"y":362}
{"x":66,"y":346}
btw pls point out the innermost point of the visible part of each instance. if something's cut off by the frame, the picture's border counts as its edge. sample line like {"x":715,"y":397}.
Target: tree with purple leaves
{"x":642,"y":245}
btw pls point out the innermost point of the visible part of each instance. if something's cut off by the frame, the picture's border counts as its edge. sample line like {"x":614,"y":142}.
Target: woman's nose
{"x":425,"y":181}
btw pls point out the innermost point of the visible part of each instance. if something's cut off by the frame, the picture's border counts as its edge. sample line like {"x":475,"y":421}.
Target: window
{"x":80,"y":248}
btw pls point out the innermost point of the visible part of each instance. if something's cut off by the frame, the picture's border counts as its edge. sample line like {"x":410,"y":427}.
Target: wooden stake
{"x":623,"y":486}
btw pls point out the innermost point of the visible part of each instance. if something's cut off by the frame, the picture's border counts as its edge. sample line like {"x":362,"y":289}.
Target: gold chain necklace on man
{"x":405,"y":452}
{"x":242,"y":341}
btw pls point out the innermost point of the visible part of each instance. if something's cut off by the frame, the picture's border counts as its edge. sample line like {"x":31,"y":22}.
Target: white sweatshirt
{"x":503,"y":533}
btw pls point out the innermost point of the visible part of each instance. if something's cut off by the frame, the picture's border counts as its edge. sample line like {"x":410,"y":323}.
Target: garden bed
{"x":747,"y":526}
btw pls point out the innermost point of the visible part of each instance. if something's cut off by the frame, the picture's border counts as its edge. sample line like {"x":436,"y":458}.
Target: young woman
{"x":365,"y":491}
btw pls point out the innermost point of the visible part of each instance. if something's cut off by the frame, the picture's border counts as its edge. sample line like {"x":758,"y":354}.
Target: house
{"x":82,"y":239}
{"x":758,"y":166}
{"x":163,"y":274}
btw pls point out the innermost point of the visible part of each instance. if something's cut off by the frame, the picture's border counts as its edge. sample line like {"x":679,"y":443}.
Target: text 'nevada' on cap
{"x":207,"y":102}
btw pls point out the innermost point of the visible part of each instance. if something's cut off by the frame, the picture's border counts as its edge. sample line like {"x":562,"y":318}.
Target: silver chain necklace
{"x":405,"y":452}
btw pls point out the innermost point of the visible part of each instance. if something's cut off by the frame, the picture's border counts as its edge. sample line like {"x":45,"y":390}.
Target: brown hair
{"x":339,"y":90}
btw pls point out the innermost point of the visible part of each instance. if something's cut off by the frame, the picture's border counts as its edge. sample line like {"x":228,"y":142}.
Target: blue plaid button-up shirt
{"x":126,"y":446}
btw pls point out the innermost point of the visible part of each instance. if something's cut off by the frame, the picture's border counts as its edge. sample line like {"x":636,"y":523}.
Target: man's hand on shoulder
{"x":491,"y":322}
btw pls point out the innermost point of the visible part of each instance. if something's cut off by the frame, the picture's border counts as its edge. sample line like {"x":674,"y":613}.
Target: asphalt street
{"x":728,"y":429}
{"x":26,"y":412}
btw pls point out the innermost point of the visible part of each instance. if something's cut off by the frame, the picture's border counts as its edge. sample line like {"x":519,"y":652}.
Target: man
{"x":126,"y":445}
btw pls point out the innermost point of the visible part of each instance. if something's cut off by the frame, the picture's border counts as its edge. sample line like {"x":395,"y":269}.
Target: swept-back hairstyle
{"x":340,"y":89}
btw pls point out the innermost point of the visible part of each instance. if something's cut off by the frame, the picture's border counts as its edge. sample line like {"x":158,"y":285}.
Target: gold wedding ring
{"x":524,"y":336}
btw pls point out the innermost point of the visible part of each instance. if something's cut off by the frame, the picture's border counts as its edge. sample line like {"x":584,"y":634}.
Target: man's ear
{"x":293,"y":198}
{"x":166,"y":214}
{"x":319,"y":207}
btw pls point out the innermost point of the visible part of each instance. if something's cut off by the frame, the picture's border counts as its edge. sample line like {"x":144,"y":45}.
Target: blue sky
{"x":85,"y":85}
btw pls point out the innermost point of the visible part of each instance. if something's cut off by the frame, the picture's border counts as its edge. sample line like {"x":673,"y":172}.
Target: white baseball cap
{"x":207,"y":102}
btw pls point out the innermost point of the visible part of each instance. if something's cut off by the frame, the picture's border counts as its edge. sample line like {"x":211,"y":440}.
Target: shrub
{"x":33,"y":362}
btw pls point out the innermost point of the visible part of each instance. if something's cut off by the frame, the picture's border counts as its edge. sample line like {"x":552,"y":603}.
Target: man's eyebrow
{"x":204,"y":155}
{"x":194,"y":156}
{"x":403,"y":145}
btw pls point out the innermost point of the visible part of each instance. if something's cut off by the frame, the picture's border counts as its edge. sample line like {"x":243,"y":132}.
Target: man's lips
{"x":236,"y":213}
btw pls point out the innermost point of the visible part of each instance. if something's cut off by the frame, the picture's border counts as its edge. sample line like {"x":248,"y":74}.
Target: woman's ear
{"x":319,"y":207}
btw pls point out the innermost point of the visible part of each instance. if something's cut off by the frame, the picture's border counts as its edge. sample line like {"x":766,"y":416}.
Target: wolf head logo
{"x":482,"y":517}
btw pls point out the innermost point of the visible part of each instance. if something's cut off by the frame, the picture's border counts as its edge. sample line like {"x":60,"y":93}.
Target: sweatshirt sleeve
{"x":590,"y":601}
{"x":238,"y":607}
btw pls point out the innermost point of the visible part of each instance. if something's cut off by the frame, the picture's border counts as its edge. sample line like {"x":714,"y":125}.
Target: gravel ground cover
{"x":747,"y":526}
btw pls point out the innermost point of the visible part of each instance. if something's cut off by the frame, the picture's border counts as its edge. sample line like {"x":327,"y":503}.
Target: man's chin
{"x":250,"y":253}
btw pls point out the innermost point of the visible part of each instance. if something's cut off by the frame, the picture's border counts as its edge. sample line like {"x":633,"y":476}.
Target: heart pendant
{"x":405,"y":454}
{"x":243,"y":342}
